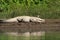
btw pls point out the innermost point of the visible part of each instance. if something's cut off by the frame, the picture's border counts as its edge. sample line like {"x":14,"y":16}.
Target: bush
{"x":43,"y":8}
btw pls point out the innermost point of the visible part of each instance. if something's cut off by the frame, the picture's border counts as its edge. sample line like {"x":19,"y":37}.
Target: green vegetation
{"x":43,"y":8}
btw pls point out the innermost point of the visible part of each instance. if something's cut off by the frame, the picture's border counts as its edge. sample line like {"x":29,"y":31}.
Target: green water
{"x":48,"y":36}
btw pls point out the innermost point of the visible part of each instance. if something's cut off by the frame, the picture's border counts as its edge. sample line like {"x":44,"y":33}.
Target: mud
{"x":49,"y":25}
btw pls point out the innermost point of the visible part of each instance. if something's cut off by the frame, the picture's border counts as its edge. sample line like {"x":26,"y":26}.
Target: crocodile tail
{"x":2,"y":21}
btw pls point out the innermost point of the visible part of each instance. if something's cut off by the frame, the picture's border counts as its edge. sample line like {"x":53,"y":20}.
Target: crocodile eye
{"x":40,"y":20}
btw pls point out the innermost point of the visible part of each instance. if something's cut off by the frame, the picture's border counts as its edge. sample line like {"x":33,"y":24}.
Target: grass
{"x":30,"y":12}
{"x":46,"y":14}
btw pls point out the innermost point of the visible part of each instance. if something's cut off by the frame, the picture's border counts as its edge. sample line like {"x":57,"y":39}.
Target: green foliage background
{"x":48,"y":9}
